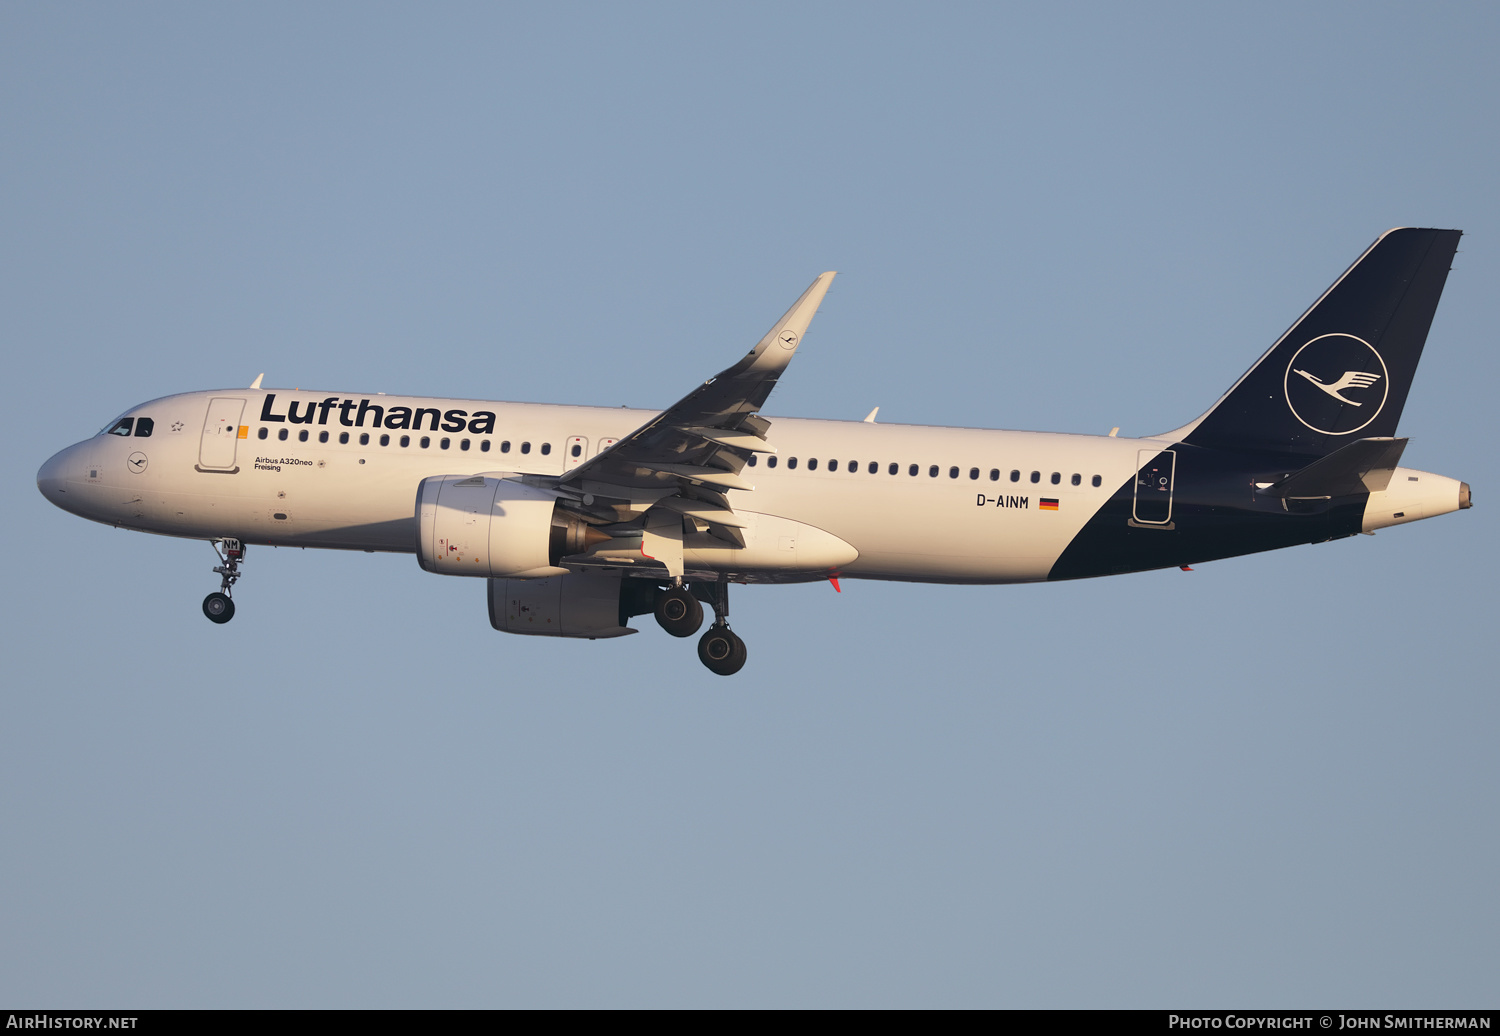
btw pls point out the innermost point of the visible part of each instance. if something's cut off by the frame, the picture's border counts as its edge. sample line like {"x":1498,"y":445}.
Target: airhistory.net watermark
{"x":43,"y":1020}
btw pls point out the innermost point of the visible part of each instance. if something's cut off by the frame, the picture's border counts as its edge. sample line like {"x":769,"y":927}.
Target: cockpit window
{"x":122,"y":426}
{"x":143,"y":427}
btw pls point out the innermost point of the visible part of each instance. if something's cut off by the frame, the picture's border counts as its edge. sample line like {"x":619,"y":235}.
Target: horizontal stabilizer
{"x":1364,"y":466}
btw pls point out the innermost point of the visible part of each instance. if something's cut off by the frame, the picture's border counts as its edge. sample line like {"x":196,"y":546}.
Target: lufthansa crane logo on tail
{"x":1351,"y":379}
{"x":1336,"y":384}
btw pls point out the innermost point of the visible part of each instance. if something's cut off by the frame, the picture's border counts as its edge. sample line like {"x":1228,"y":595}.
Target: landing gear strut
{"x":219,"y":607}
{"x":719,"y":649}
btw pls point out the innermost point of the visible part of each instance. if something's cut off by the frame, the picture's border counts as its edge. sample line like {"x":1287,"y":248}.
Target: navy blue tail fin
{"x":1343,"y":370}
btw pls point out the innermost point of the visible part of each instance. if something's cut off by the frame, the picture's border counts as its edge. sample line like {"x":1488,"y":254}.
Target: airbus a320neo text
{"x":579,"y":518}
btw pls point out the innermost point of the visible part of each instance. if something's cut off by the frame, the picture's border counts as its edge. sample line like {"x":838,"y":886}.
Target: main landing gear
{"x":722,"y":651}
{"x":219,"y":607}
{"x":719,"y":649}
{"x":679,"y":612}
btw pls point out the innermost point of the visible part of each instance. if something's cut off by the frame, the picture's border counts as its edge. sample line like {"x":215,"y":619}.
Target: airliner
{"x":580,"y":518}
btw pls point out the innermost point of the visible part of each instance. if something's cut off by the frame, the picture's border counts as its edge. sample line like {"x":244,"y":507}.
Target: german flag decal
{"x":1047,"y":503}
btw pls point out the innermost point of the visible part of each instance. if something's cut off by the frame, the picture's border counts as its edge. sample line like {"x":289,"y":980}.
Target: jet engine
{"x":493,"y":526}
{"x":589,"y":604}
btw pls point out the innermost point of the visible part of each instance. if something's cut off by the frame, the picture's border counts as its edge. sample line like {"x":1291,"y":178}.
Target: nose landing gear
{"x":719,"y":649}
{"x":219,"y":607}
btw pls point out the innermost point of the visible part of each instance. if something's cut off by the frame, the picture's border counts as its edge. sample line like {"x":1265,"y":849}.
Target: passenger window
{"x":577,"y":450}
{"x":302,"y":435}
{"x":484,"y":446}
{"x":443,"y":444}
{"x":343,"y":438}
{"x":1077,"y":478}
{"x":853,"y":466}
{"x":463,"y":444}
{"x":1056,"y":477}
{"x":504,"y":446}
{"x":833,"y":465}
{"x":994,"y":474}
{"x":525,"y":447}
{"x":791,"y":462}
{"x":323,"y":436}
{"x":122,"y":426}
{"x":973,"y":473}
{"x":424,"y":442}
{"x":385,"y":440}
{"x":364,"y":438}
{"x":874,"y":467}
{"x":953,"y":472}
{"x":932,"y":471}
{"x":282,"y":435}
{"x":1015,"y":476}
{"x":1097,"y":481}
{"x":1036,"y":476}
{"x":912,"y":471}
{"x":812,"y":464}
{"x":405,"y":441}
{"x":771,"y":461}
{"x":546,"y":448}
{"x":751,"y":461}
{"x":263,"y":433}
{"x":894,"y":468}
{"x":144,"y":427}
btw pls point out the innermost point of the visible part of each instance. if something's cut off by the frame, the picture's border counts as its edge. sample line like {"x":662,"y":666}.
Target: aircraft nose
{"x":52,"y":477}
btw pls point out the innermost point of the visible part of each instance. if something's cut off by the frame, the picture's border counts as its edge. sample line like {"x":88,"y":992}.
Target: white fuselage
{"x":303,"y":491}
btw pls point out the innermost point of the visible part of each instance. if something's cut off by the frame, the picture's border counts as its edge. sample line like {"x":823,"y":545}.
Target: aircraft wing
{"x":687,"y":456}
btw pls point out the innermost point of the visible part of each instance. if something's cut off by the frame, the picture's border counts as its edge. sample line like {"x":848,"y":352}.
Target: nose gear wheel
{"x":218,"y":607}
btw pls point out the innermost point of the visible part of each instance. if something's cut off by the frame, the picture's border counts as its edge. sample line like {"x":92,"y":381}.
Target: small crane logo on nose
{"x":136,"y":462}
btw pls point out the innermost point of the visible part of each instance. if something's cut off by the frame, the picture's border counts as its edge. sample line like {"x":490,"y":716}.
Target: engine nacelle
{"x":490,"y":525}
{"x":581,"y":604}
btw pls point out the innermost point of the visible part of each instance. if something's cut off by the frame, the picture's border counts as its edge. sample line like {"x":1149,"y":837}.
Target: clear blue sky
{"x":1269,"y":782}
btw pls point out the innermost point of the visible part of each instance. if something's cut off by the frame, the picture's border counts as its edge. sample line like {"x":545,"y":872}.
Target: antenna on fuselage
{"x":256,"y":383}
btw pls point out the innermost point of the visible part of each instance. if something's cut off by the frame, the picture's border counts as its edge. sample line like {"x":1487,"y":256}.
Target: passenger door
{"x":1153,"y":486}
{"x":221,"y":435}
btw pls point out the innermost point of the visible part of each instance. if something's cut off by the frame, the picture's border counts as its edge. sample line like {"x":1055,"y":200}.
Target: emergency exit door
{"x":575,"y":452}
